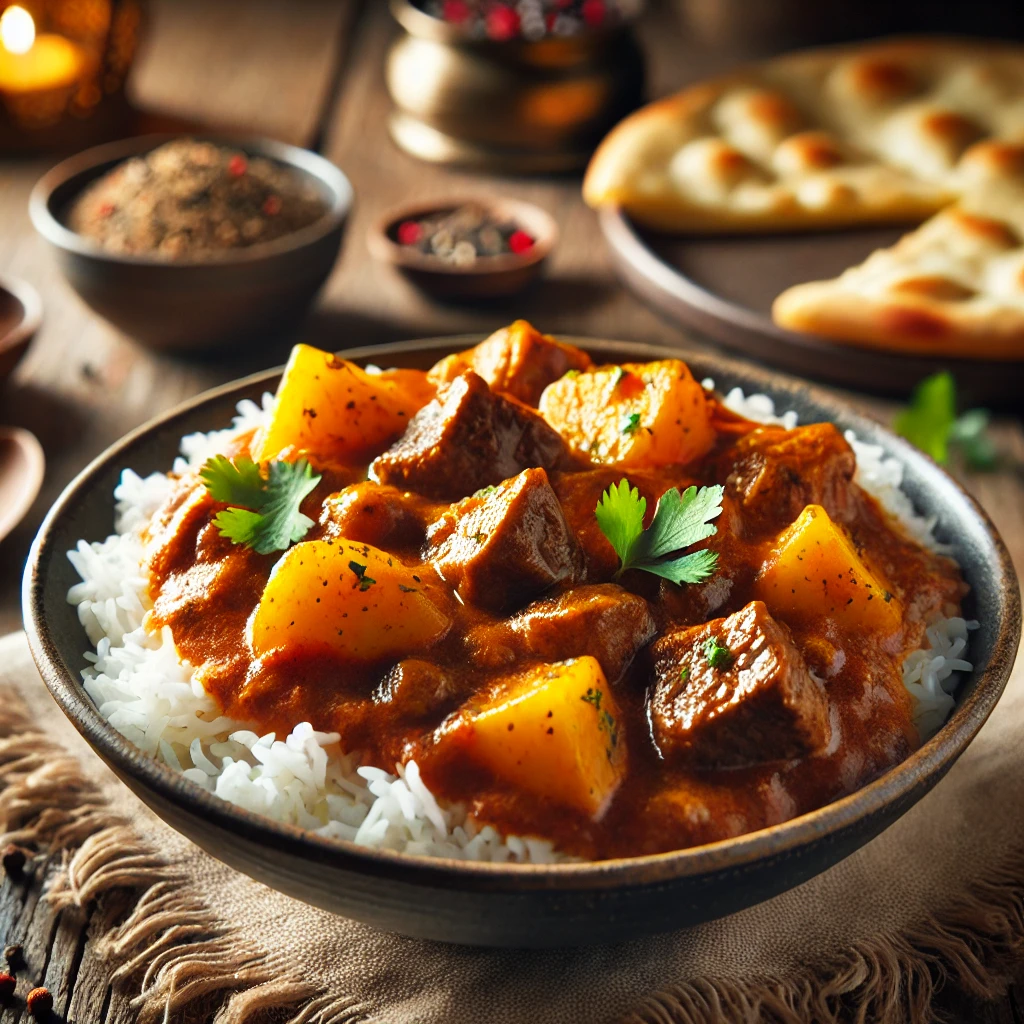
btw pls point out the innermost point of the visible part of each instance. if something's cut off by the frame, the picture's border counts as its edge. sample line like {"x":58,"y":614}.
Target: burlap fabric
{"x":937,"y":899}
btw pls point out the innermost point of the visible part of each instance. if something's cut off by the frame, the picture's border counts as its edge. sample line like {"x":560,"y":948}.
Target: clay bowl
{"x":508,"y":905}
{"x":192,"y":305}
{"x":21,"y":313}
{"x":489,"y":277}
{"x":21,"y":475}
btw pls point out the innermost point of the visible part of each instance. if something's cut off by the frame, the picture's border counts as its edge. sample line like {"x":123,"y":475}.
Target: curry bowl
{"x":530,"y":905}
{"x":192,"y":305}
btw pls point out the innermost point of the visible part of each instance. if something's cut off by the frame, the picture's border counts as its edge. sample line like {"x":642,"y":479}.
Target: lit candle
{"x":30,"y":63}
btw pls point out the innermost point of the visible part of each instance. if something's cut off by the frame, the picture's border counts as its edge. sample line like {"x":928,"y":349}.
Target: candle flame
{"x":17,"y":30}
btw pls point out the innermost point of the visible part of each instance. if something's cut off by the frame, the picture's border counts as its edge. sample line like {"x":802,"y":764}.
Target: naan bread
{"x":955,"y":286}
{"x":871,"y":133}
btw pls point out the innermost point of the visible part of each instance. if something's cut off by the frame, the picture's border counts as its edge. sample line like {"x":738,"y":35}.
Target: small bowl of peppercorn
{"x":466,"y":249}
{"x":190,"y":244}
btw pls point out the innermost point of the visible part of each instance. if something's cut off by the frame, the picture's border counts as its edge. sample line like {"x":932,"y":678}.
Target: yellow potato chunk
{"x":332,"y":408}
{"x":555,"y":733}
{"x":635,"y":414}
{"x":815,"y":571}
{"x":352,"y":599}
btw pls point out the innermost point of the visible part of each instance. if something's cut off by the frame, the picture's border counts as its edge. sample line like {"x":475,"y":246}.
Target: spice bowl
{"x":21,"y":312}
{"x":485,"y":276}
{"x":181,"y":305}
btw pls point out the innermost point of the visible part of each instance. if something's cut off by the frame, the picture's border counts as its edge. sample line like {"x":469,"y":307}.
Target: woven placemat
{"x":938,"y":898}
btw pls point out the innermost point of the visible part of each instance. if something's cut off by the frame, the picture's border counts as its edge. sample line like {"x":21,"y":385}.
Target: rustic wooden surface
{"x":304,"y":72}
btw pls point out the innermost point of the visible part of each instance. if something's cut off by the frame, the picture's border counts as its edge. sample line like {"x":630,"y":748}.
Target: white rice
{"x":154,"y":699}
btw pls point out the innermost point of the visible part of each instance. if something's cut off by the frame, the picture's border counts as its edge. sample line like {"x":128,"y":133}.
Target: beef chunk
{"x":774,"y":474}
{"x":517,"y":360}
{"x":753,"y":701}
{"x":468,"y":438}
{"x":373,"y":514}
{"x":415,"y":689}
{"x":505,"y":547}
{"x":604,"y":621}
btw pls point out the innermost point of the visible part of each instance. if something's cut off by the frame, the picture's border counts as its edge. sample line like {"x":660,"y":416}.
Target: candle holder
{"x":517,"y":105}
{"x":63,"y":65}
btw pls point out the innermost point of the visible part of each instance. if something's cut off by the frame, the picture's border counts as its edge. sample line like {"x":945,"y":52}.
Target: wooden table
{"x":83,"y":385}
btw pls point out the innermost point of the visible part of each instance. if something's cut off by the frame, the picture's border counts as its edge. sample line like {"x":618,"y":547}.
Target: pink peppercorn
{"x":502,"y":23}
{"x":272,"y":206}
{"x":520,"y":242}
{"x":409,"y":232}
{"x":456,"y":11}
{"x":593,"y":12}
{"x":237,"y":166}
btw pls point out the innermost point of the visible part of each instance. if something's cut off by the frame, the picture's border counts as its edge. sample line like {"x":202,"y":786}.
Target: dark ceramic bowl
{"x":192,"y":305}
{"x":489,"y":277}
{"x":21,"y":313}
{"x":508,"y":905}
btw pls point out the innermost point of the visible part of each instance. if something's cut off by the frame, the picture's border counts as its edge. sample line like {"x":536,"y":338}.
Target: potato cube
{"x":637,"y":414}
{"x":815,"y":570}
{"x":554,"y":733}
{"x":332,"y":408}
{"x":352,"y":599}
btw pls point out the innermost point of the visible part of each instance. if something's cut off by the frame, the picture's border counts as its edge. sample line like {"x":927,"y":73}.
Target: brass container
{"x":518,"y":106}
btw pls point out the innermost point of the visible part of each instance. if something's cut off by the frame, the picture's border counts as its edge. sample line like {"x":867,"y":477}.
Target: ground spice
{"x":464,"y":235}
{"x":194,"y":200}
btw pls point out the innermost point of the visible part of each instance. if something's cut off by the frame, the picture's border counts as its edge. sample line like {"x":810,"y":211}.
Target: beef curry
{"x":452,"y":595}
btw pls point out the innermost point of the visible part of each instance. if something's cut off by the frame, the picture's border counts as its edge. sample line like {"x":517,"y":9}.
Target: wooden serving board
{"x":723,"y":287}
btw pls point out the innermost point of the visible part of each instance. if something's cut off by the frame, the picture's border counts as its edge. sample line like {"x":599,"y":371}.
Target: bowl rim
{"x":31,"y":312}
{"x":387,"y":250}
{"x":47,"y":222}
{"x":736,"y":854}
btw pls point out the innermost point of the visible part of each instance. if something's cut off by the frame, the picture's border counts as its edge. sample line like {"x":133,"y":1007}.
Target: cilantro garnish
{"x":365,"y":582}
{"x":265,"y":512}
{"x":931,"y":423}
{"x":630,"y":423}
{"x":680,"y":520}
{"x":718,"y":656}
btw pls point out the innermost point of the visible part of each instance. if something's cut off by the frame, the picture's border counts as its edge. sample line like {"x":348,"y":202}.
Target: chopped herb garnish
{"x":931,"y":423}
{"x":484,"y":491}
{"x":265,"y":512}
{"x":717,"y":655}
{"x":631,"y":423}
{"x":684,"y":674}
{"x":570,"y":374}
{"x":680,"y":520}
{"x":365,"y":582}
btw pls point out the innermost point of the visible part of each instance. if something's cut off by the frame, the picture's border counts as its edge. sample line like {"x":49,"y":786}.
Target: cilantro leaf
{"x":718,"y":655}
{"x":234,"y":483}
{"x":691,"y":568}
{"x":283,"y":523}
{"x":631,"y":423}
{"x":680,"y":520}
{"x":265,"y":512}
{"x":239,"y":525}
{"x":931,"y":424}
{"x":970,"y":434}
{"x":620,"y":514}
{"x":928,"y":420}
